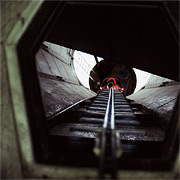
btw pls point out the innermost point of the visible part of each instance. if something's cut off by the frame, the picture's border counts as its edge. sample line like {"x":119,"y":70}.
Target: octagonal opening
{"x":77,"y":151}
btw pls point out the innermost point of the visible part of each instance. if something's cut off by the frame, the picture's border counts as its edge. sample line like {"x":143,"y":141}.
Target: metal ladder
{"x":109,"y":108}
{"x":122,"y":135}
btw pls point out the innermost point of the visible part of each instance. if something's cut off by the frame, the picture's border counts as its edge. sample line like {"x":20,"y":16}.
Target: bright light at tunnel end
{"x":84,"y":63}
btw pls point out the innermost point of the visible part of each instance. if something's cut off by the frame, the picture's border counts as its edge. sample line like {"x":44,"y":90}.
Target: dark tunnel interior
{"x":130,"y":35}
{"x":69,"y":106}
{"x":72,"y":126}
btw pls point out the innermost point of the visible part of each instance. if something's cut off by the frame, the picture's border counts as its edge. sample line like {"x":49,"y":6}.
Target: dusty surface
{"x":64,"y":129}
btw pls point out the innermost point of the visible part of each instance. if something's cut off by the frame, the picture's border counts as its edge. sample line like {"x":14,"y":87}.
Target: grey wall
{"x":60,"y":87}
{"x":158,"y":96}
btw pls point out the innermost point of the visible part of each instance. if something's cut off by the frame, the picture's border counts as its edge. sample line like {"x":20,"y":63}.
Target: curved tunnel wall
{"x":60,"y":87}
{"x":158,"y":96}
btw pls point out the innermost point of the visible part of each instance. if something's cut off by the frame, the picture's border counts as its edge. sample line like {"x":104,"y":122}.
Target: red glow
{"x":112,"y":79}
{"x":114,"y":87}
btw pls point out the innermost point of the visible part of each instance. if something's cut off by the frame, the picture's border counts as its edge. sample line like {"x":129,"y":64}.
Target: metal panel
{"x":60,"y":66}
{"x":160,"y":100}
{"x":49,"y":59}
{"x":58,"y":95}
{"x":156,"y":81}
{"x":48,"y":62}
{"x":42,"y":63}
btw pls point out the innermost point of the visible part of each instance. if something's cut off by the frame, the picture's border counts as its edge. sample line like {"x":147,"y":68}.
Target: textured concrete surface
{"x":59,"y":51}
{"x":9,"y":139}
{"x":160,"y":100}
{"x":15,"y":15}
{"x":58,"y":95}
{"x":47,"y":62}
{"x":64,"y":129}
{"x":60,"y":87}
{"x":11,"y":13}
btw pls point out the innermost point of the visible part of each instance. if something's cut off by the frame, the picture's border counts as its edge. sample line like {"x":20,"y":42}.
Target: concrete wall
{"x":11,"y":13}
{"x":51,"y":62}
{"x":13,"y":23}
{"x":158,"y":96}
{"x":60,"y":87}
